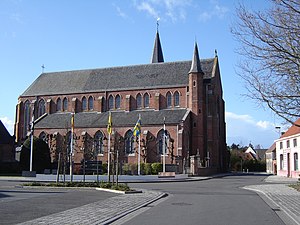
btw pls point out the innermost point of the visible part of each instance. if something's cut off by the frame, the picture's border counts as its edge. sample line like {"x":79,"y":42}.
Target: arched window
{"x":58,"y":104}
{"x":110,"y":102}
{"x":161,"y":144}
{"x":83,"y":104}
{"x":169,"y":100}
{"x":41,"y":108}
{"x":65,"y":104}
{"x":91,"y":103}
{"x":118,"y":102}
{"x":68,"y":141}
{"x":26,"y":117}
{"x":98,"y":143}
{"x":129,"y":148}
{"x":43,"y":136}
{"x":146,"y":100}
{"x":176,"y":98}
{"x":139,"y":101}
{"x":103,"y":105}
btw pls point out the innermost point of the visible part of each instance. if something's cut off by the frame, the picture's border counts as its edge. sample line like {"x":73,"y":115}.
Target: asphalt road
{"x":19,"y":204}
{"x":212,"y":202}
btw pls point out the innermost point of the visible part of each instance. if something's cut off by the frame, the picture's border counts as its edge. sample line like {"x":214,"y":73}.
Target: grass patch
{"x":119,"y":187}
{"x":295,"y":186}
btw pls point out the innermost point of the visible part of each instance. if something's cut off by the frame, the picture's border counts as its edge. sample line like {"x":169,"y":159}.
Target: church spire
{"x":157,"y":55}
{"x":196,"y":66}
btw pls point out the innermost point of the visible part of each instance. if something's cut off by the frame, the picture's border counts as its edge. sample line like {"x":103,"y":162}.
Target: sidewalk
{"x":284,"y":200}
{"x":101,"y":212}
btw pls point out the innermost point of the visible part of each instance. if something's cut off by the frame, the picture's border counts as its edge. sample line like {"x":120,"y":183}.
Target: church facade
{"x":180,"y":106}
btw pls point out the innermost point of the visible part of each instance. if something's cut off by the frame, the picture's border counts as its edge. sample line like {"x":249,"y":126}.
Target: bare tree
{"x":270,"y":50}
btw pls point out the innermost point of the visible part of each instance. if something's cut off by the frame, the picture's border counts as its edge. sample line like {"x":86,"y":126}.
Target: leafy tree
{"x":270,"y":50}
{"x":41,"y":155}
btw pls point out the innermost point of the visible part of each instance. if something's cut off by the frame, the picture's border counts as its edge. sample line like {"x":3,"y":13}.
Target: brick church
{"x":185,"y":97}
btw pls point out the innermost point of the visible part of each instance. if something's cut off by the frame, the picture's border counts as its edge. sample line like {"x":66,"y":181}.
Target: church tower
{"x":197,"y":105}
{"x":157,"y":56}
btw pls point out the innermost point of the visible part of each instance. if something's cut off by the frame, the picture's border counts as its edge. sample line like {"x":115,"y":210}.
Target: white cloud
{"x":167,"y":9}
{"x":120,"y":12}
{"x":9,"y":124}
{"x":215,"y":10}
{"x":244,"y":129}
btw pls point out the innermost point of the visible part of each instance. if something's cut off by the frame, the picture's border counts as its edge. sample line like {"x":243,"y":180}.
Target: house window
{"x":295,"y":142}
{"x":118,"y":102}
{"x":139,"y":101}
{"x":288,"y":143}
{"x":110,"y":102}
{"x":281,"y":145}
{"x":176,"y":98}
{"x":91,"y":103}
{"x":169,"y":100}
{"x":26,"y":117}
{"x":163,"y":145}
{"x":84,"y":104}
{"x":281,"y":161}
{"x":296,"y":168}
{"x":146,"y":100}
{"x":129,"y":149}
{"x":65,"y":104}
{"x":41,"y":107}
{"x":58,"y":104}
{"x":98,"y":143}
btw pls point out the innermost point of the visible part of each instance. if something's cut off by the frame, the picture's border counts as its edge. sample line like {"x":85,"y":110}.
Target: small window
{"x":194,"y":83}
{"x":110,"y":102}
{"x":169,"y":100}
{"x":281,"y":145}
{"x":84,"y":104}
{"x":58,"y":104}
{"x":296,"y":168}
{"x":91,"y":103}
{"x":139,"y":101}
{"x":281,"y":161}
{"x":295,"y":142}
{"x":65,"y":104}
{"x":41,"y":107}
{"x":288,"y":143}
{"x":118,"y":102}
{"x":176,"y":98}
{"x":146,"y":100}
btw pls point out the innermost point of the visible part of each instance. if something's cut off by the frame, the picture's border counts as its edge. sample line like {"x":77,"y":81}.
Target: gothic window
{"x":43,"y":136}
{"x":163,"y":135}
{"x":169,"y":100}
{"x":129,"y":148}
{"x":68,"y":141}
{"x":91,"y":103}
{"x":65,"y":104}
{"x":139,"y":101}
{"x":98,"y":142}
{"x":176,"y":98}
{"x":26,"y":116}
{"x":146,"y":100}
{"x":83,"y":104}
{"x":58,"y":104}
{"x":41,"y":107}
{"x":110,"y":102}
{"x":103,"y":105}
{"x":118,"y":102}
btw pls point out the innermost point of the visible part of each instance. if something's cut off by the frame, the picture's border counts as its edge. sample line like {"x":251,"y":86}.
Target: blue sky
{"x":69,"y":35}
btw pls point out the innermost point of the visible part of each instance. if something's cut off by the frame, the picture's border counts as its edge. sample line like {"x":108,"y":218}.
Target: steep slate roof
{"x":5,"y":137}
{"x":196,"y":66}
{"x":154,"y":75}
{"x":119,"y":119}
{"x":157,"y":56}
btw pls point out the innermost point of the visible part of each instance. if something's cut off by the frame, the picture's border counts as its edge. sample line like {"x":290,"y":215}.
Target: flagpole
{"x":108,"y":158}
{"x":31,"y":142}
{"x":164,"y":147}
{"x":71,"y":147}
{"x":139,"y":156}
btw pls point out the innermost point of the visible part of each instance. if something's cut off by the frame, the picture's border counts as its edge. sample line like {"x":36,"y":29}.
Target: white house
{"x":287,"y":152}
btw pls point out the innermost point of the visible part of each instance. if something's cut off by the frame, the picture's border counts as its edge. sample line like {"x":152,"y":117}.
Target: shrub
{"x":156,"y":168}
{"x":148,"y":169}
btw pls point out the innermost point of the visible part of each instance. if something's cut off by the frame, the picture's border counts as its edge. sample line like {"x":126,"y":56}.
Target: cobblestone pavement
{"x":281,"y":197}
{"x":101,"y":212}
